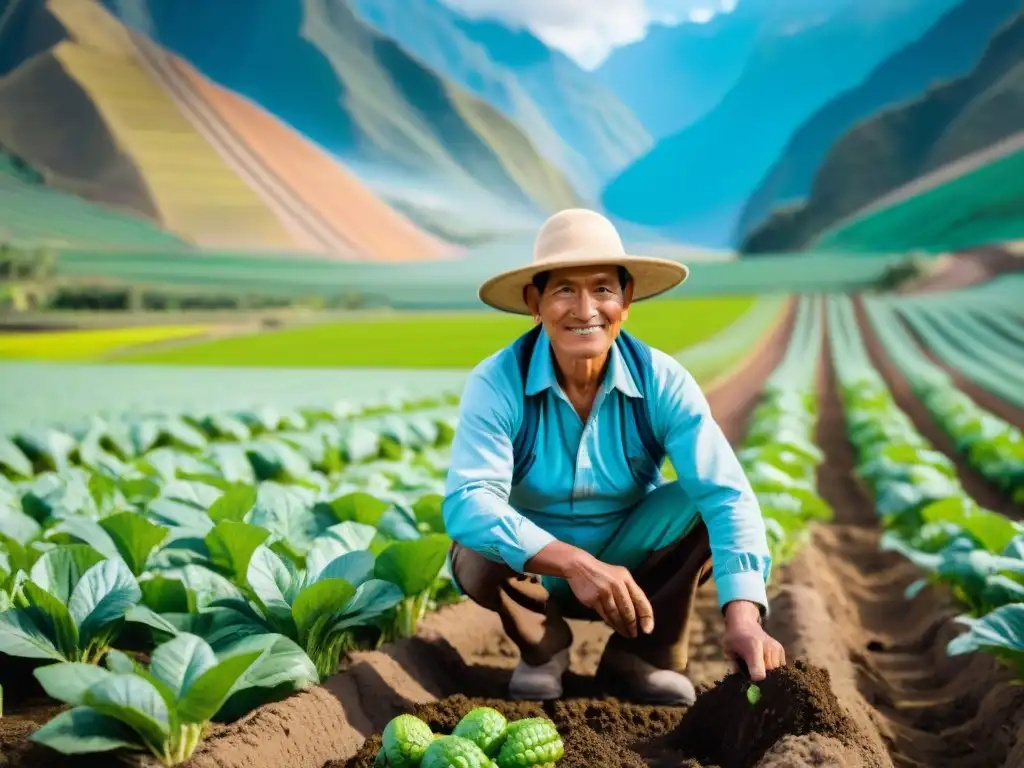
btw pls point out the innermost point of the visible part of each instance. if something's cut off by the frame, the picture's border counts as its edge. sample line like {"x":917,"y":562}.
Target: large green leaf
{"x":81,"y":529}
{"x":428,"y":511}
{"x":231,"y":545}
{"x":165,"y":595}
{"x":373,"y":599}
{"x":82,"y":730}
{"x":135,"y":537}
{"x":274,"y":581}
{"x":209,"y":692}
{"x":21,"y":636}
{"x":53,"y":617}
{"x":59,"y":570}
{"x":413,"y":565}
{"x":353,"y":567}
{"x":207,"y":585}
{"x":324,"y":598}
{"x":359,"y":507}
{"x":69,"y":681}
{"x":238,"y":500}
{"x":287,"y":512}
{"x":135,"y":702}
{"x":338,"y":540}
{"x":181,"y":661}
{"x":1000,"y":633}
{"x":103,"y":595}
{"x":283,"y":669}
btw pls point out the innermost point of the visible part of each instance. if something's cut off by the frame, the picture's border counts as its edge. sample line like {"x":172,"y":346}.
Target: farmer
{"x":555,"y":502}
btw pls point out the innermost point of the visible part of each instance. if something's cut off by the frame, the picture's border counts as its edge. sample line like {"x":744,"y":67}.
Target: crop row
{"x":242,"y":554}
{"x":928,"y":517}
{"x":778,"y":452}
{"x":991,"y":445}
{"x":973,"y":348}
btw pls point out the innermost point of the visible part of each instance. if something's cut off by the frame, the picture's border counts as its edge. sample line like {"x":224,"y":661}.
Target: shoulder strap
{"x":637,"y":357}
{"x":526,"y":436}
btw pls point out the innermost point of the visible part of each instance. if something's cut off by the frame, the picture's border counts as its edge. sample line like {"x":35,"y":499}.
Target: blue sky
{"x":587,"y":30}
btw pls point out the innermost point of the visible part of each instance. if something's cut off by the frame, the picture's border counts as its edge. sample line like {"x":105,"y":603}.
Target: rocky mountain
{"x":101,"y":113}
{"x":899,"y":144}
{"x":677,"y":73}
{"x":361,"y":95}
{"x":576,"y":123}
{"x":694,"y":183}
{"x":949,"y":48}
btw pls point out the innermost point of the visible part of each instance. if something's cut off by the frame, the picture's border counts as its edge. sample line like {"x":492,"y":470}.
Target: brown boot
{"x":650,"y":668}
{"x":532,"y":621}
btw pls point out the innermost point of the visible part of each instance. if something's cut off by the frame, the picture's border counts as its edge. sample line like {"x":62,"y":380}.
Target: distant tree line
{"x":29,"y":282}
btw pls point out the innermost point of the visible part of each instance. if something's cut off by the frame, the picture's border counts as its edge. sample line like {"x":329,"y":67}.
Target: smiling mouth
{"x":589,"y":330}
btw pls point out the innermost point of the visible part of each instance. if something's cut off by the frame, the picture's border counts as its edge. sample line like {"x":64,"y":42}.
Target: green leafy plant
{"x":163,"y":709}
{"x":319,"y":609}
{"x":70,"y":607}
{"x":1000,"y":633}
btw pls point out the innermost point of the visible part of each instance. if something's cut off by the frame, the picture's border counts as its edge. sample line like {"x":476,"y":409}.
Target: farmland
{"x":456,"y":341}
{"x":297,"y":554}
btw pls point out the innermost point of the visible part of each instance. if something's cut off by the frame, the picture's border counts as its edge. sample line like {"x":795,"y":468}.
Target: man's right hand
{"x":613,"y":593}
{"x":607,"y":589}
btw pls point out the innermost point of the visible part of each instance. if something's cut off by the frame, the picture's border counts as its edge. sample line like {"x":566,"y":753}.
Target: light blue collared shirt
{"x":580,"y":484}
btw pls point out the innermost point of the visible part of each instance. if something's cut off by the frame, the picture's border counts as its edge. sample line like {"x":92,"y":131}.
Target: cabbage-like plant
{"x":69,"y":607}
{"x":320,"y":608}
{"x":163,"y":709}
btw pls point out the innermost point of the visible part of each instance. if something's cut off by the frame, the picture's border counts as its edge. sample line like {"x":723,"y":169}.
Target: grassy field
{"x":426,"y":341}
{"x":81,"y":346}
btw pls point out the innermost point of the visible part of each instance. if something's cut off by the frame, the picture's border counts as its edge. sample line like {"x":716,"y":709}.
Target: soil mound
{"x":724,"y":728}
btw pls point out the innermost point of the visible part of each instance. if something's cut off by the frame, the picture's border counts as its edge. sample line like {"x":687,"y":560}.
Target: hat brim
{"x":651,"y":277}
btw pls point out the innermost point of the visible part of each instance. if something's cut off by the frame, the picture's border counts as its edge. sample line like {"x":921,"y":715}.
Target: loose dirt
{"x":722,"y":729}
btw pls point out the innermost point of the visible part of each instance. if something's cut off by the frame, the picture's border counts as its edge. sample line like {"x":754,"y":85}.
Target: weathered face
{"x":582,"y":309}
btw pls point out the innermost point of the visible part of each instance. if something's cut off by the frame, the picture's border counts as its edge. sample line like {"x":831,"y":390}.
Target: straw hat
{"x":577,"y":237}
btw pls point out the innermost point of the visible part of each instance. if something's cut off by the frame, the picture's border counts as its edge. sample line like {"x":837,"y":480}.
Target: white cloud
{"x":587,"y":30}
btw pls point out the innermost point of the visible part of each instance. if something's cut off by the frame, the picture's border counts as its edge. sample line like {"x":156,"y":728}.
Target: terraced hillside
{"x":321,"y":202}
{"x":156,"y":139}
{"x":398,"y":123}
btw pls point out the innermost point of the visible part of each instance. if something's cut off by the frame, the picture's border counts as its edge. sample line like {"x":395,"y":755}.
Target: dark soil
{"x":722,"y":729}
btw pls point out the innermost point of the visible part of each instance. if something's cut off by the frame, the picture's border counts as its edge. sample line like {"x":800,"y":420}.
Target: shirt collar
{"x":541,"y":375}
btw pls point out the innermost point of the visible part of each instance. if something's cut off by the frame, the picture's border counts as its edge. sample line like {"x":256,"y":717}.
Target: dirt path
{"x":888,"y":654}
{"x":975,"y":484}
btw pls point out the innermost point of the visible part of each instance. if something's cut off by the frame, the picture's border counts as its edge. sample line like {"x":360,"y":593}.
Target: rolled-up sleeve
{"x":711,"y":475}
{"x":476,"y":508}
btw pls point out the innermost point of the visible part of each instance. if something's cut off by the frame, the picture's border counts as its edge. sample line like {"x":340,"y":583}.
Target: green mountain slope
{"x":949,"y":48}
{"x":902,"y":143}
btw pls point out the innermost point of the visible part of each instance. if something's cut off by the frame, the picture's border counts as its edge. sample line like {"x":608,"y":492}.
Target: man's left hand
{"x":746,"y":639}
